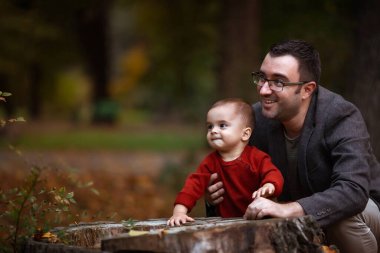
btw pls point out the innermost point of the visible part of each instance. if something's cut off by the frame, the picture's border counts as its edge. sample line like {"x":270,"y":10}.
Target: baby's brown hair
{"x":242,"y":107}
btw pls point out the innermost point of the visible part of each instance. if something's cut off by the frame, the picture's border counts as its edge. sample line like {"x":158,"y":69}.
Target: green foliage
{"x":33,"y":206}
{"x":181,"y":78}
{"x":94,"y":139}
{"x":3,"y":122}
{"x":180,"y":43}
{"x":128,"y":224}
{"x":314,"y":22}
{"x":106,"y":111}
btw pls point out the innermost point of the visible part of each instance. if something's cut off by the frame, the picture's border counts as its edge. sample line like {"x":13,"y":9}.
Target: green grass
{"x":96,"y":139}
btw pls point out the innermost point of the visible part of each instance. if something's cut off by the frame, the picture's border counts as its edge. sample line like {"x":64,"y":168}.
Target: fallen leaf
{"x":137,"y":232}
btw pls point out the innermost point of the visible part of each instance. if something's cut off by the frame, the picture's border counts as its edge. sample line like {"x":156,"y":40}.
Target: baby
{"x":246,"y":172}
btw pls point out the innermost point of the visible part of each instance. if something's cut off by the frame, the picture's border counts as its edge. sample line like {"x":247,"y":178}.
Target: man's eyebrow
{"x":280,"y":76}
{"x":277,"y":75}
{"x":260,"y":72}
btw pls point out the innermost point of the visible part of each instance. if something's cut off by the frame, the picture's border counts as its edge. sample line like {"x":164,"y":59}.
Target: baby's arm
{"x":266,"y":190}
{"x":179,"y":216}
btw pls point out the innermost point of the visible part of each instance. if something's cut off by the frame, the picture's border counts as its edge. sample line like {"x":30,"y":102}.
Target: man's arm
{"x":262,"y":207}
{"x":337,"y":158}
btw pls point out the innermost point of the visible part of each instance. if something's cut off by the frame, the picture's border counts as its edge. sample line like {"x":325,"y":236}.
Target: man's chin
{"x":268,"y":113}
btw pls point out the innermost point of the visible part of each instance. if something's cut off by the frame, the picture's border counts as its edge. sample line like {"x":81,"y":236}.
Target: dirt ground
{"x":137,"y":185}
{"x":130,"y":184}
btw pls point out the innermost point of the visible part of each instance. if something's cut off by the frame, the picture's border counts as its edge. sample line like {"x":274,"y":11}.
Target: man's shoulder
{"x":327,"y":95}
{"x":332,"y":102}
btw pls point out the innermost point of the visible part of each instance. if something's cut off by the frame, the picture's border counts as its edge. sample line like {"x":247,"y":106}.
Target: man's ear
{"x":246,"y":134}
{"x":308,"y":89}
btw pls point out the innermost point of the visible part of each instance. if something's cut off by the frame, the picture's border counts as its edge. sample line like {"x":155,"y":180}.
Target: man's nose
{"x":265,"y":90}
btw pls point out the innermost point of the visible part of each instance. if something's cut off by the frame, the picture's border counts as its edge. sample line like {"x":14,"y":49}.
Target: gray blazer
{"x":336,"y":166}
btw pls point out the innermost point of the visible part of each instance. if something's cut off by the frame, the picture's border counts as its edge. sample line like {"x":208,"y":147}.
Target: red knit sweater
{"x":240,"y":177}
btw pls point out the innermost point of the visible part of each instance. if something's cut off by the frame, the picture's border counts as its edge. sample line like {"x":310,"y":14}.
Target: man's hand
{"x":262,"y":207}
{"x":265,"y":191}
{"x":215,"y":191}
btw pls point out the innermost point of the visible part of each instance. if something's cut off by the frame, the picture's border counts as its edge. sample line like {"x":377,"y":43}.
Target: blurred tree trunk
{"x":93,"y":28}
{"x":35,"y":99}
{"x":366,"y":72}
{"x":239,"y":51}
{"x":6,"y":87}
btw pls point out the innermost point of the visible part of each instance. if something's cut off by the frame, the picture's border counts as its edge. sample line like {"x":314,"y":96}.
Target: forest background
{"x":116,"y":91}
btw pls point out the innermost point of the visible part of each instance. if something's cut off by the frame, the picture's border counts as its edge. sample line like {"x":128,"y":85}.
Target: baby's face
{"x":224,"y":127}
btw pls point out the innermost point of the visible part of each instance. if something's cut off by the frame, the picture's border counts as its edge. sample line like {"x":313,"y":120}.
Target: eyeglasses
{"x":259,"y":79}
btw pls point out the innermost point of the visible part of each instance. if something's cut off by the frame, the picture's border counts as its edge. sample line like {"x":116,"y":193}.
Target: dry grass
{"x":132,"y":183}
{"x":135,"y":185}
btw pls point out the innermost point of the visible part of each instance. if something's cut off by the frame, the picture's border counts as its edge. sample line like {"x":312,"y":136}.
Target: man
{"x":320,"y":143}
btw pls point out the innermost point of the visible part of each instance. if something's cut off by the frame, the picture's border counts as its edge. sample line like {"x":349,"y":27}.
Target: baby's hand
{"x":178,"y":219}
{"x":265,"y":191}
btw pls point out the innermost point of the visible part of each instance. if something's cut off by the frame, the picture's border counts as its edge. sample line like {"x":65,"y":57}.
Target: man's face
{"x":282,"y":105}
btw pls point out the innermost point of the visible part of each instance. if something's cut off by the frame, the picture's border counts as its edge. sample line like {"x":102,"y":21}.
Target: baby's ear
{"x":246,"y":133}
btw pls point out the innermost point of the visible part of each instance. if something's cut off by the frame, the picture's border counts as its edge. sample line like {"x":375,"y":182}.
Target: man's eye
{"x":278,"y":82}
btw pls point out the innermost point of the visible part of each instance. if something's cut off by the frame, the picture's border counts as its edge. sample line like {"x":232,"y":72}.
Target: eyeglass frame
{"x":284,"y":84}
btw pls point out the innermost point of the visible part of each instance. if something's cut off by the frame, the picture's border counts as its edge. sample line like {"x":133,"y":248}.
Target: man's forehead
{"x":279,"y":65}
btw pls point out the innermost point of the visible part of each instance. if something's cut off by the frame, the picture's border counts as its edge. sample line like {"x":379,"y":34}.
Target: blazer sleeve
{"x":341,"y":176}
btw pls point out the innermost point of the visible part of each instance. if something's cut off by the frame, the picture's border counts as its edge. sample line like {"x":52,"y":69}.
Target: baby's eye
{"x":223,"y":125}
{"x":209,"y":127}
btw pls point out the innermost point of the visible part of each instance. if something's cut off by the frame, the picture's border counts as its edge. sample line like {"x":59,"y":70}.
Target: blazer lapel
{"x":307,"y":132}
{"x":277,"y":148}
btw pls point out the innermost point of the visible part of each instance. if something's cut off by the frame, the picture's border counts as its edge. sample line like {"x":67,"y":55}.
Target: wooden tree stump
{"x":204,"y":235}
{"x":225,"y":235}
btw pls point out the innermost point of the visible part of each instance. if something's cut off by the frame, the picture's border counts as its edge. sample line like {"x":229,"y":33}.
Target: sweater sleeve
{"x":269,"y":173}
{"x":195,"y":185}
{"x":194,"y":188}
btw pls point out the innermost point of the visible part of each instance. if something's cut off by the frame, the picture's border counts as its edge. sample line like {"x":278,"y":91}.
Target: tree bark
{"x":93,"y":27}
{"x":366,"y":73}
{"x":239,"y":51}
{"x":35,"y":99}
{"x":203,"y":235}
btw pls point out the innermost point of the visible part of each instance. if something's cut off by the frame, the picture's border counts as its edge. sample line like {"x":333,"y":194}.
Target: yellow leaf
{"x":20,"y":119}
{"x":137,"y":232}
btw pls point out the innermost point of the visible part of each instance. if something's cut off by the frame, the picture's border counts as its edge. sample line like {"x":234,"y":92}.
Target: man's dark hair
{"x":306,"y":55}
